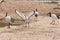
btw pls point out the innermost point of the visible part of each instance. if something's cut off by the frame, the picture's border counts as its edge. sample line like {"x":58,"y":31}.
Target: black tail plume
{"x":58,"y":16}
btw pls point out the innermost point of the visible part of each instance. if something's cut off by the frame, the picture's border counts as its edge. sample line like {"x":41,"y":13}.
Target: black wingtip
{"x":12,"y":20}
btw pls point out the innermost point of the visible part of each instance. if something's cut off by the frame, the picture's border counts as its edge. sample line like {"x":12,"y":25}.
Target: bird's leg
{"x":35,"y":19}
{"x":53,"y":21}
{"x":57,"y":21}
{"x":9,"y":25}
{"x":27,"y":23}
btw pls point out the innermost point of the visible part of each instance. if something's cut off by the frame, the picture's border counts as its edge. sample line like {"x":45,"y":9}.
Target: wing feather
{"x":30,"y":14}
{"x":20,"y":14}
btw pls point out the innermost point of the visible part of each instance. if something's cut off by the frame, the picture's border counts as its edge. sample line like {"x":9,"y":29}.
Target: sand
{"x":40,"y":30}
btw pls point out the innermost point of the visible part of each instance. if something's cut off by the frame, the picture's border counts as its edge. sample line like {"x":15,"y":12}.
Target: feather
{"x":20,"y":14}
{"x":30,"y":14}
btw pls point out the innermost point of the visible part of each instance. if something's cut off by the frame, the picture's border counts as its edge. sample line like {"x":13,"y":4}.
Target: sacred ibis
{"x":8,"y":19}
{"x":54,"y":17}
{"x":25,"y":17}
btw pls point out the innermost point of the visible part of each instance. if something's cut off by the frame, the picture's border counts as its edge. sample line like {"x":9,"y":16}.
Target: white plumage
{"x":54,"y":17}
{"x":30,"y":14}
{"x":25,"y":17}
{"x":36,"y":13}
{"x":9,"y":19}
{"x":20,"y":14}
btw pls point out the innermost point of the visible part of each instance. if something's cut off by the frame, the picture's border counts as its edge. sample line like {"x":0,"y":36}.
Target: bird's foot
{"x":52,"y":23}
{"x":26,"y":25}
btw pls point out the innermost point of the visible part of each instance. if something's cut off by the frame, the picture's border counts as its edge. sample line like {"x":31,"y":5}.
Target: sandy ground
{"x":40,"y":30}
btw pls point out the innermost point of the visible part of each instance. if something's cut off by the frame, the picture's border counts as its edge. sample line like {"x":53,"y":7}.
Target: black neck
{"x":36,"y":10}
{"x":6,"y":14}
{"x":49,"y":14}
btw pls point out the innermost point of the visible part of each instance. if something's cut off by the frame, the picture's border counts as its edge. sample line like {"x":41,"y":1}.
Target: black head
{"x":49,"y":14}
{"x":36,"y":10}
{"x":6,"y":14}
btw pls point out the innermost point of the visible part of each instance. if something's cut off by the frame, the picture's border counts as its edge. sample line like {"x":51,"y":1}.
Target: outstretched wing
{"x":20,"y":14}
{"x":30,"y":14}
